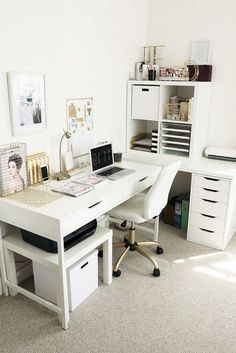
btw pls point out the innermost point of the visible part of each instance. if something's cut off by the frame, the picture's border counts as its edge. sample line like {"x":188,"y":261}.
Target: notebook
{"x":102,"y":163}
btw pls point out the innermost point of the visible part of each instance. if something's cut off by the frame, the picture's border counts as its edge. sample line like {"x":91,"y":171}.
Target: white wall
{"x":85,"y":48}
{"x":176,"y":24}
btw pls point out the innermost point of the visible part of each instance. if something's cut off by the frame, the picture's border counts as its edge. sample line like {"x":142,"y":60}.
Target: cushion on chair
{"x":131,"y":210}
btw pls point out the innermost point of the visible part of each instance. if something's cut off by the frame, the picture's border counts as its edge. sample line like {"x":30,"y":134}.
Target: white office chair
{"x":141,"y":208}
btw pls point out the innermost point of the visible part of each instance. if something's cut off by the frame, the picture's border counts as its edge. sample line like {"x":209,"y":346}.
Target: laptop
{"x":102,"y":163}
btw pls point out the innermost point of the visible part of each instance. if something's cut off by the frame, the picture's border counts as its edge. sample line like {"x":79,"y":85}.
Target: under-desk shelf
{"x":15,"y":243}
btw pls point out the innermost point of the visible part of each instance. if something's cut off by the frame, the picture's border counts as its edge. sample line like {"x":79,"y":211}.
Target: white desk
{"x":57,"y":219}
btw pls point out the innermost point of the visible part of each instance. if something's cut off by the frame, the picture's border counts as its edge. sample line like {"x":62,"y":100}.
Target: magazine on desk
{"x":72,"y":188}
{"x":91,"y":179}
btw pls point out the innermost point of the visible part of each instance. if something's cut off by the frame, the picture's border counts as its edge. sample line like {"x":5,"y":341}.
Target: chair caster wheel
{"x":100,"y":253}
{"x":117,"y":273}
{"x":159,"y":250}
{"x":156,"y":272}
{"x":125,"y":240}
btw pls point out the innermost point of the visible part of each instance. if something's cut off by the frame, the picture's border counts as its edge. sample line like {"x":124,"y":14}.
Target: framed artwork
{"x":13,"y":169}
{"x":27,"y":102}
{"x":201,"y":51}
{"x":80,"y":124}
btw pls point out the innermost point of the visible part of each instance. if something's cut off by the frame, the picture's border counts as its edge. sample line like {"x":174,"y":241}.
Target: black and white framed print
{"x":27,"y":102}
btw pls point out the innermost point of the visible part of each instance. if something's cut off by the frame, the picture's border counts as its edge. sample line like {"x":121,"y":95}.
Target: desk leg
{"x":62,"y":285}
{"x":11,"y":269}
{"x":107,"y":260}
{"x":2,"y":264}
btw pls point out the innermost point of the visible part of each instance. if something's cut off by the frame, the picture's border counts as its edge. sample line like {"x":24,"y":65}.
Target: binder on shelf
{"x":178,"y":210}
{"x":185,"y":211}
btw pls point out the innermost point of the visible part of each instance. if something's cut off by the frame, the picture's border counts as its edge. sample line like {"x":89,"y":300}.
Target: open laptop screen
{"x":101,"y":157}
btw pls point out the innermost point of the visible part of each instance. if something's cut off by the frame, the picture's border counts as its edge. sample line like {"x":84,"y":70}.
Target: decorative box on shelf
{"x":175,"y":73}
{"x":179,"y":109}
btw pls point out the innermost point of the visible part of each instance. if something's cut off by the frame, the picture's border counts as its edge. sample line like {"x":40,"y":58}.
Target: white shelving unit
{"x":147,"y":111}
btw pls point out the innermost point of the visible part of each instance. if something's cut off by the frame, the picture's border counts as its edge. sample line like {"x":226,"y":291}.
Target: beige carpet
{"x":191,"y":308}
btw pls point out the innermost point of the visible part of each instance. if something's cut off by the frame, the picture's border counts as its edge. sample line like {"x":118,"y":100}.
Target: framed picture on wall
{"x":27,"y":102}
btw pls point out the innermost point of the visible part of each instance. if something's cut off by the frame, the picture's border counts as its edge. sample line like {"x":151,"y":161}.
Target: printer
{"x":69,"y":240}
{"x":225,"y":154}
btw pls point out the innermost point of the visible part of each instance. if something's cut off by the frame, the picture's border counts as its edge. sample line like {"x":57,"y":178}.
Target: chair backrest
{"x":157,"y":196}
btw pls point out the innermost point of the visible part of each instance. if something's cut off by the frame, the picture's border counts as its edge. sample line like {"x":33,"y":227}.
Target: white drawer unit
{"x":145,"y":102}
{"x":208,"y":211}
{"x":205,"y":237}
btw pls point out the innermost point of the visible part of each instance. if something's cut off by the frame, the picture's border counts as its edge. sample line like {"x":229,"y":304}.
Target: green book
{"x":185,"y":210}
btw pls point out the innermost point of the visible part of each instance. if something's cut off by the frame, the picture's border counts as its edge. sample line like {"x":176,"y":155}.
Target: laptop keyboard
{"x":110,"y":171}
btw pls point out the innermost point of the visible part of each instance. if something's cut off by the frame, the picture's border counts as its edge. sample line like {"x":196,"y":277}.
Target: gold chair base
{"x":131,"y":245}
{"x":138,"y":248}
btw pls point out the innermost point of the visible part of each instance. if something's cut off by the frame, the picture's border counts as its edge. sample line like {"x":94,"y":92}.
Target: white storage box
{"x":145,"y":102}
{"x":82,"y":279}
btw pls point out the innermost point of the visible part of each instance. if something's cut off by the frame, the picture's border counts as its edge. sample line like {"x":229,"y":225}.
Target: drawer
{"x":199,"y":236}
{"x":200,"y":220}
{"x":145,"y":102}
{"x":209,"y":194}
{"x":211,"y":183}
{"x":211,"y":208}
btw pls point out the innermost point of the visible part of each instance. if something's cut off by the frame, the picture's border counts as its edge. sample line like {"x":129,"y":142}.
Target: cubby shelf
{"x":147,"y":111}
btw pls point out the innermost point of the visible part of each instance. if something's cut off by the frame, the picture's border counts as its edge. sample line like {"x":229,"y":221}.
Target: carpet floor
{"x":190,"y":308}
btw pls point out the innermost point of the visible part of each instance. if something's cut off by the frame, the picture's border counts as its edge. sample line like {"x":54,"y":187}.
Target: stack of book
{"x":154,"y":141}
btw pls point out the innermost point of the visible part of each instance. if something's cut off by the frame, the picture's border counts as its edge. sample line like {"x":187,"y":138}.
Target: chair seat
{"x":131,"y":210}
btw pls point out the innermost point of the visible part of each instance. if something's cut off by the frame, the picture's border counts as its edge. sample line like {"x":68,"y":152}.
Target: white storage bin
{"x":82,"y":280}
{"x":145,"y":102}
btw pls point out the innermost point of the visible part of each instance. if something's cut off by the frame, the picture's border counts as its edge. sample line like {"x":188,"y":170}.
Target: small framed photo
{"x":27,"y":102}
{"x":13,"y":171}
{"x":201,"y":51}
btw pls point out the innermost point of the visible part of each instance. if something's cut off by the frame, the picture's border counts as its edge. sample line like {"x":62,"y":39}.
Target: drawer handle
{"x":206,"y":230}
{"x":95,"y":204}
{"x":207,"y":215}
{"x":211,"y":190}
{"x":210,"y":201}
{"x":86,"y":263}
{"x":143,"y":178}
{"x":145,"y":90}
{"x":212,"y":179}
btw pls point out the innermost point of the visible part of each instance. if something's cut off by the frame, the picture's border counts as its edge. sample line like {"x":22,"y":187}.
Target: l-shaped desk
{"x":212,"y":220}
{"x":61,"y":217}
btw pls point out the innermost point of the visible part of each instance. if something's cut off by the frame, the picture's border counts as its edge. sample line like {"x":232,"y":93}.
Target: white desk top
{"x":67,"y":213}
{"x":206,"y":166}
